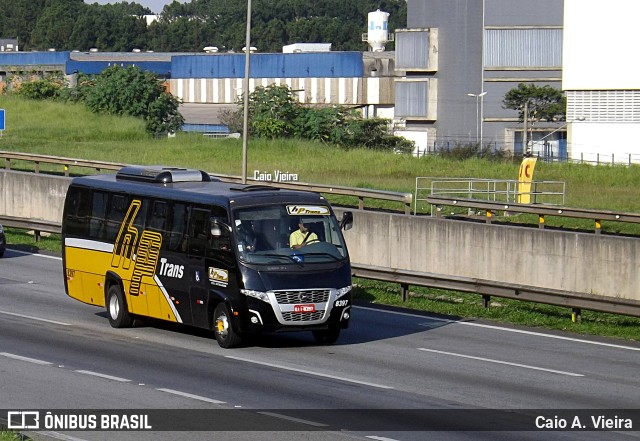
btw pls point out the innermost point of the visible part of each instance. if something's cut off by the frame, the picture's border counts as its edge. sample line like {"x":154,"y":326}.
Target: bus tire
{"x":326,"y":336}
{"x":226,"y":336}
{"x":117,"y":311}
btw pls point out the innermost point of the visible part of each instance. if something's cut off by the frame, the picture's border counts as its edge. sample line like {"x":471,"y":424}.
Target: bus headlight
{"x":256,"y":294}
{"x":342,"y":291}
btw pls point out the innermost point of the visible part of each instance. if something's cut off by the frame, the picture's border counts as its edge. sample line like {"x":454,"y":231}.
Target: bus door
{"x":168,"y":293}
{"x":196,"y":270}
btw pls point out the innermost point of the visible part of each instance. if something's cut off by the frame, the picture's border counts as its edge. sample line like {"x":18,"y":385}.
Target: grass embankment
{"x":8,"y":435}
{"x":72,"y":131}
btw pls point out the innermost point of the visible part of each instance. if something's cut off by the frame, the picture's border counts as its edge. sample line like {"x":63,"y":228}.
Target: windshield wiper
{"x":323,"y":254}
{"x":280,"y":255}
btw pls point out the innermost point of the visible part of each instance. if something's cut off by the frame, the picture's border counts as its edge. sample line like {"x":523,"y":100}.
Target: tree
{"x":543,"y":103}
{"x":131,"y":91}
{"x":274,"y":112}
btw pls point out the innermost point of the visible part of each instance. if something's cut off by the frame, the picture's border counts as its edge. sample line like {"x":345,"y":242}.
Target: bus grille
{"x":297,"y":297}
{"x":302,"y":316}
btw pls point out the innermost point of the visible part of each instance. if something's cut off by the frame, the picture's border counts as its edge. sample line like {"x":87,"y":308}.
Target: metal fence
{"x":494,"y":190}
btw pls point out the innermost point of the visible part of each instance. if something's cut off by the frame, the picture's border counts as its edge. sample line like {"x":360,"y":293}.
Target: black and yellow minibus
{"x":178,"y":245}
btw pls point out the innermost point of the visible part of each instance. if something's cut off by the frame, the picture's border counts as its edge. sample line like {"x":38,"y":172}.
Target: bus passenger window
{"x":198,"y":232}
{"x":177,"y":227}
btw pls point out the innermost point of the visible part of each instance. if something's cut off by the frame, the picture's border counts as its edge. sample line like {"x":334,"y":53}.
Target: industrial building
{"x":461,"y":58}
{"x":444,"y":84}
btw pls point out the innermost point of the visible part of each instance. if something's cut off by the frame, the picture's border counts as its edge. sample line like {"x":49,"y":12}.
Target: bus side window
{"x":117,"y":210}
{"x":177,"y":227}
{"x":78,"y":210}
{"x":98,"y":215}
{"x":158,"y":219}
{"x":198,"y":231}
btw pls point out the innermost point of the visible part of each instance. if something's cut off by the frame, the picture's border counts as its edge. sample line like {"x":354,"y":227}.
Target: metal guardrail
{"x":360,"y":193}
{"x":38,"y":226}
{"x":490,"y":208}
{"x":488,"y":288}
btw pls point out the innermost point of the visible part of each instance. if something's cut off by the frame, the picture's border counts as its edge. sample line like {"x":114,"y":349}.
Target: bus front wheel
{"x":119,"y":316}
{"x":225,"y":334}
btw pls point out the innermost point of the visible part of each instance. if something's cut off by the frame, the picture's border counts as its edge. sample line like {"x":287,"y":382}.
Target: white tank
{"x":378,"y":30}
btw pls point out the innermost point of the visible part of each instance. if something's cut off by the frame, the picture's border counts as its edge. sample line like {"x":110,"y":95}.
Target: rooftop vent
{"x":162,"y":175}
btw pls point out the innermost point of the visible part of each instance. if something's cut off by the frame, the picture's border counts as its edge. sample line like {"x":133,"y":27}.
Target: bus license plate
{"x":304,"y":308}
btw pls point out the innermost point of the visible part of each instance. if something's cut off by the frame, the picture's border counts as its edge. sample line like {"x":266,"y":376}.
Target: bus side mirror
{"x":347,"y":220}
{"x":218,"y":228}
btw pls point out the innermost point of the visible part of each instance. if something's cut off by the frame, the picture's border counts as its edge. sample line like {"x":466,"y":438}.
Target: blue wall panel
{"x":305,"y":65}
{"x":96,"y":67}
{"x":33,"y":58}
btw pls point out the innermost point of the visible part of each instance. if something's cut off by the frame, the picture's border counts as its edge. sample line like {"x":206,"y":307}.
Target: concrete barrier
{"x":32,"y":196}
{"x":576,"y":262}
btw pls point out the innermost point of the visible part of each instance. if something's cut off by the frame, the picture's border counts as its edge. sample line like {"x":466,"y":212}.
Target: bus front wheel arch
{"x":117,"y":311}
{"x":226,"y":335}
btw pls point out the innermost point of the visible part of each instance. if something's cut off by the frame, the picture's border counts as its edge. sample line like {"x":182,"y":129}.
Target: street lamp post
{"x":479,"y":116}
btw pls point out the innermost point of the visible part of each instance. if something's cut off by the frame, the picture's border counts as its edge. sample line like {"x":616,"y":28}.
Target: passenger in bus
{"x":302,"y":236}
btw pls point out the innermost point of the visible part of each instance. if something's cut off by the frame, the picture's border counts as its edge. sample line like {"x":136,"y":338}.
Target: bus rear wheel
{"x":119,"y":316}
{"x":327,"y":336}
{"x":225,"y":335}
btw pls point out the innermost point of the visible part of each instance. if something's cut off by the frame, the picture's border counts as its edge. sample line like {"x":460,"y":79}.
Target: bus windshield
{"x":288,"y":234}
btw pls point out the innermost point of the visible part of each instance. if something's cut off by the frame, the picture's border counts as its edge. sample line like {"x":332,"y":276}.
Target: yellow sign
{"x":525,"y":176}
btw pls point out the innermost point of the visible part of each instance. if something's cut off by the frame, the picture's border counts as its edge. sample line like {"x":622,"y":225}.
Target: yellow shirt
{"x":297,"y":237}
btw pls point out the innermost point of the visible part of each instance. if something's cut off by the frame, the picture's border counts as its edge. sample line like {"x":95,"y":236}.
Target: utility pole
{"x":245,"y":87}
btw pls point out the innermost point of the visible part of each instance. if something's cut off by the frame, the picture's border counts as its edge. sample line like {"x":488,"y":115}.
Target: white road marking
{"x":195,"y":397}
{"x":27,"y":359}
{"x":489,"y":360}
{"x":35,"y":318}
{"x":500,"y":328}
{"x":380,"y":438}
{"x":34,"y":254}
{"x":295,"y":420}
{"x":108,"y":377}
{"x":304,"y":371}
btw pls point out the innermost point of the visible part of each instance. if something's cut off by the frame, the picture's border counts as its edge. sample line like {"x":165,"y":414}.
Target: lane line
{"x":489,"y":360}
{"x":195,"y":397}
{"x":380,"y":438}
{"x":108,"y":377}
{"x":292,"y":419}
{"x":500,"y":328}
{"x":304,"y":371}
{"x":35,"y":318}
{"x":34,"y":254}
{"x":27,"y":359}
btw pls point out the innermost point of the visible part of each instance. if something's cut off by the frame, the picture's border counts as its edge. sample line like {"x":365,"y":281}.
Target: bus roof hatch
{"x":161,"y":174}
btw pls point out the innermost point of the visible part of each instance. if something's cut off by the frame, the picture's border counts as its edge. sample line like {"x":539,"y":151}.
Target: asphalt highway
{"x":393,"y":375}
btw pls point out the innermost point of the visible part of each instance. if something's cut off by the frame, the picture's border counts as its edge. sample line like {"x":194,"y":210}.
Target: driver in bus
{"x":302,"y":236}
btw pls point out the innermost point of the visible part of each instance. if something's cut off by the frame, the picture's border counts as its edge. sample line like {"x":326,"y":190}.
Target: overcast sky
{"x":155,"y":5}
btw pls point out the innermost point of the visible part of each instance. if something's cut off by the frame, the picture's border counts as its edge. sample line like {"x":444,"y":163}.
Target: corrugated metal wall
{"x":162,"y":68}
{"x":33,"y":58}
{"x":340,"y":91}
{"x":523,"y":48}
{"x":298,"y":65}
